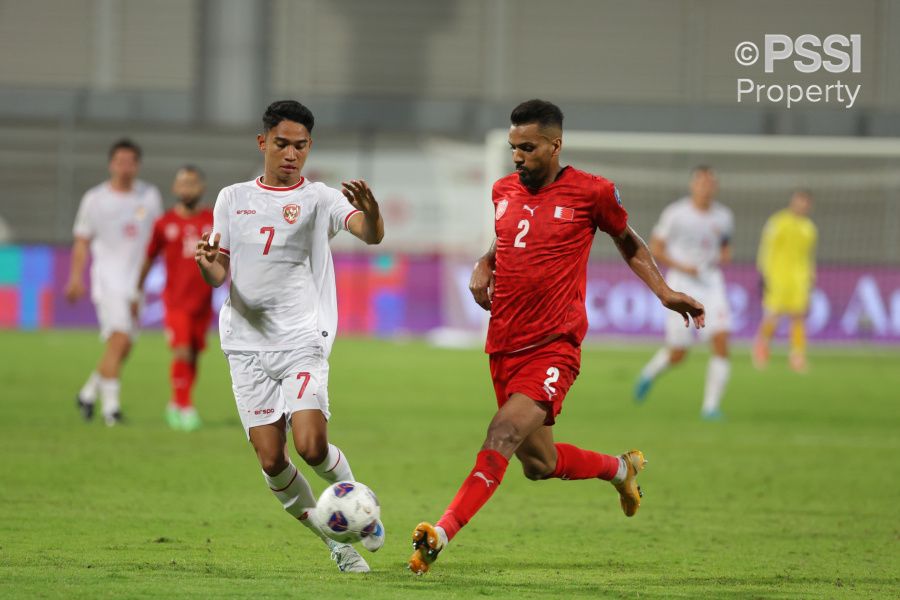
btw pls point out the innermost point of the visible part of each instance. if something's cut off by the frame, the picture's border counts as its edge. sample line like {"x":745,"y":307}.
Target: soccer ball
{"x":348,"y":511}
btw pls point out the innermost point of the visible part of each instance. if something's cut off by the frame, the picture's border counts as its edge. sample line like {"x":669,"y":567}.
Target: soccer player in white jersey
{"x":271,"y":236}
{"x":114,"y":222}
{"x":692,"y":239}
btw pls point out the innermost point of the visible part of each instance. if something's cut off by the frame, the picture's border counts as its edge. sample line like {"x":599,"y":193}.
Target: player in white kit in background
{"x":114,"y":223}
{"x":271,"y":235}
{"x":692,"y":239}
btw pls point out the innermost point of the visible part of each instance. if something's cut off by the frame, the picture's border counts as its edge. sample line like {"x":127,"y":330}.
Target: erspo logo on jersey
{"x":246,"y":211}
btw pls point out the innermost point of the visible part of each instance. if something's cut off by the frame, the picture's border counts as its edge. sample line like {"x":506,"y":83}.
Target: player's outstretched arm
{"x":481,"y":284}
{"x":75,"y":286}
{"x":637,"y":255}
{"x":213,"y":264}
{"x":370,"y":227}
{"x":139,"y":290}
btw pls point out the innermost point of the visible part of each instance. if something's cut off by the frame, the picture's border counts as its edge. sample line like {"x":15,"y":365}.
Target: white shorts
{"x":114,"y":315}
{"x":710,"y":291}
{"x":268,"y":385}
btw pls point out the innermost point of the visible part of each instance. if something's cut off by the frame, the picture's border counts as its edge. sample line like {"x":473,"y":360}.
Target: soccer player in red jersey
{"x":532,"y":280}
{"x":187,"y":298}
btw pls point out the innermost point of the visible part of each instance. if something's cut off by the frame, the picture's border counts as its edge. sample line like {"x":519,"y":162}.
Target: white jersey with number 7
{"x":282,"y":275}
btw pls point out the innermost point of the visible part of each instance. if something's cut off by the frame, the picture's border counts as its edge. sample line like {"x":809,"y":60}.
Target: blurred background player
{"x":532,"y":280}
{"x":692,"y":239}
{"x":787,"y":264}
{"x":114,"y":222}
{"x":186,"y":296}
{"x":277,"y":327}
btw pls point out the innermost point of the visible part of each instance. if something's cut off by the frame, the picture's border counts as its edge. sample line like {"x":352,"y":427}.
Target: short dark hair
{"x":193,"y":169}
{"x":544,"y":113}
{"x":287,"y":110}
{"x":125,"y":144}
{"x":702,"y":169}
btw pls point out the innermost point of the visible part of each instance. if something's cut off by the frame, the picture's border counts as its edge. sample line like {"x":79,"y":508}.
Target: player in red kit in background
{"x":187,"y":298}
{"x":533,"y":280}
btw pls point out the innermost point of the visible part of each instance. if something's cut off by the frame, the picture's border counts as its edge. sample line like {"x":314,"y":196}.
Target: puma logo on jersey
{"x":481,"y":475}
{"x":531,"y":210}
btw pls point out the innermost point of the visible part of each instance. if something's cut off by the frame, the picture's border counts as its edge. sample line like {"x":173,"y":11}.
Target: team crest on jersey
{"x":291,"y":213}
{"x":501,"y":208}
{"x":616,"y":192}
{"x":172,"y":232}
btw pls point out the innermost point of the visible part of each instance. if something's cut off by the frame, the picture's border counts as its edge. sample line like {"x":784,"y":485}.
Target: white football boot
{"x":348,"y":559}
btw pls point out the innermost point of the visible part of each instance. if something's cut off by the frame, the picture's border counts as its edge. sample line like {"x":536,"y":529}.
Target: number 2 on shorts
{"x":553,"y":373}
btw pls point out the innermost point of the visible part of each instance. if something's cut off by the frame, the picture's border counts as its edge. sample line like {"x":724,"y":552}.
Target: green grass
{"x":795,"y":496}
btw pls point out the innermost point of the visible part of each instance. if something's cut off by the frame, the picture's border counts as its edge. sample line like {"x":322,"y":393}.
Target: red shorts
{"x":187,"y":329}
{"x":544,"y":373}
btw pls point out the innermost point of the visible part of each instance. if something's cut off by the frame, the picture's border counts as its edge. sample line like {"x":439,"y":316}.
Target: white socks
{"x":717,"y":374}
{"x":657,"y":364}
{"x":109,"y":395}
{"x":621,"y":473}
{"x":296,"y":496}
{"x":90,"y":389}
{"x":335,"y":466}
{"x":292,"y":489}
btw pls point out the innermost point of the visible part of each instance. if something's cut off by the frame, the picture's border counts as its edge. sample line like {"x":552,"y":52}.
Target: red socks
{"x":490,"y":466}
{"x":477,"y":489}
{"x":183,"y":373}
{"x":574,"y":463}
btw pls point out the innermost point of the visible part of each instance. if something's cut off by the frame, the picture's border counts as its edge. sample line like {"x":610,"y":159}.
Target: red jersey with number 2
{"x":543,"y":243}
{"x":176,"y":238}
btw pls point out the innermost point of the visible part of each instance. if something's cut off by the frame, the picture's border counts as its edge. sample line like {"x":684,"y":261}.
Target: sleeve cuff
{"x":347,"y":218}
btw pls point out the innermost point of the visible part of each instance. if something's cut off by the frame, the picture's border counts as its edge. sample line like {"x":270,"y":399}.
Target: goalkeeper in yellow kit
{"x":786,"y":261}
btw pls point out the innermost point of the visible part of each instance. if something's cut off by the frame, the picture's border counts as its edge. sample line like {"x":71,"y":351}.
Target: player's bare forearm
{"x":639,"y":258}
{"x":75,"y":288}
{"x":79,"y":257}
{"x":725,"y":254}
{"x":481,"y":284}
{"x":145,"y":269}
{"x":490,"y":257}
{"x":214,"y":272}
{"x":369,"y":227}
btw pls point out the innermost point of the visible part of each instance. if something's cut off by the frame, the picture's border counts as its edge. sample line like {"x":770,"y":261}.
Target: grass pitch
{"x":794,"y":496}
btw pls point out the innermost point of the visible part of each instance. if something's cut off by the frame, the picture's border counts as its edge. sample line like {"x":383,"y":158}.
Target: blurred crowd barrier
{"x":402,"y":294}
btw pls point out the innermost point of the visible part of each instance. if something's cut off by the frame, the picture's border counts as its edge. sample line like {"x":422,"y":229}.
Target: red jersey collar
{"x":279,"y":189}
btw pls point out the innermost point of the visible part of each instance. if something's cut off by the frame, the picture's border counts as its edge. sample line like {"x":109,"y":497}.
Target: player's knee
{"x":273,"y":463}
{"x":312,"y":451}
{"x":677,"y":355}
{"x":503,"y":435}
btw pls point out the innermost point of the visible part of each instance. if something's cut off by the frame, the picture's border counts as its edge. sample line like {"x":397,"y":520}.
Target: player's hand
{"x":358,"y":193}
{"x":135,"y":305}
{"x":687,"y":307}
{"x":207,"y":252}
{"x":481,"y":284}
{"x":74,"y":290}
